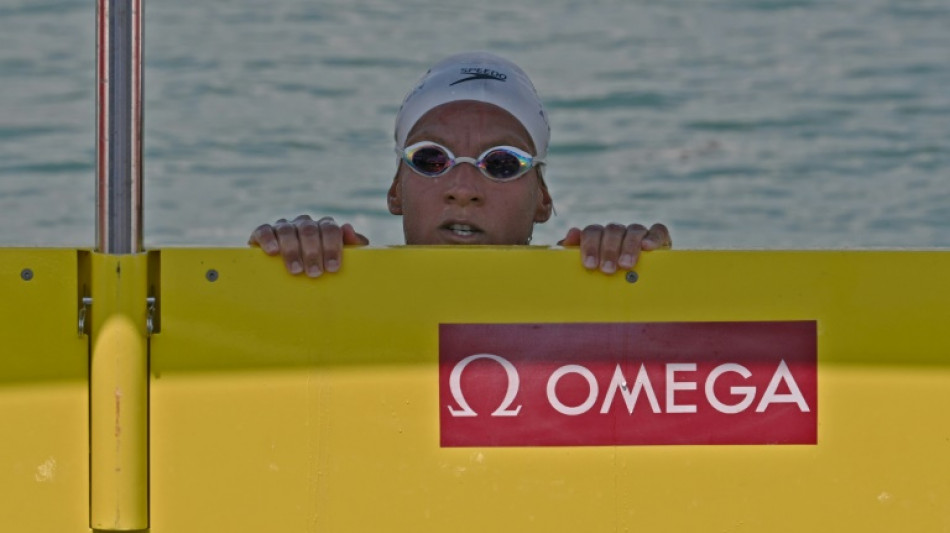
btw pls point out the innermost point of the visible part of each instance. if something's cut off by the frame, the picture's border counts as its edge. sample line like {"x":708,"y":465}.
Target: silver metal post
{"x":119,"y":126}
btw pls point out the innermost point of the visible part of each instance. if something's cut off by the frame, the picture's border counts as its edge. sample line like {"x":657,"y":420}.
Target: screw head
{"x":632,"y":277}
{"x":211,"y":275}
{"x":26,"y":274}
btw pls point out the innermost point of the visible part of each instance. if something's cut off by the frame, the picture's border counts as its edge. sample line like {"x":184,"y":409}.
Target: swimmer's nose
{"x":464,"y":185}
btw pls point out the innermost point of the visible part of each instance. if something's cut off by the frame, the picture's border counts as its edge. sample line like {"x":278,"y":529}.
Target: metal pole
{"x":118,"y":367}
{"x":119,"y":126}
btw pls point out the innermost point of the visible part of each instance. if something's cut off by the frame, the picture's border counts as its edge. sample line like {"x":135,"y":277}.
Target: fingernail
{"x":314,"y":271}
{"x":608,"y":267}
{"x":332,"y":265}
{"x":271,"y":248}
{"x":590,"y":262}
{"x":626,"y":260}
{"x":296,"y":268}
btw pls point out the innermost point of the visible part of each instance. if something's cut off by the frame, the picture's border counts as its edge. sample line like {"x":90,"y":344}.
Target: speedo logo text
{"x":475,"y":73}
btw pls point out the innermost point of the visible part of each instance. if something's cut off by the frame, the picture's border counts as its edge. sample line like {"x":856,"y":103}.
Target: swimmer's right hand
{"x":307,"y":245}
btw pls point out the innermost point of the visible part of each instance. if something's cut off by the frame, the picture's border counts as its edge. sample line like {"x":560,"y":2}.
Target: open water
{"x":740,"y":123}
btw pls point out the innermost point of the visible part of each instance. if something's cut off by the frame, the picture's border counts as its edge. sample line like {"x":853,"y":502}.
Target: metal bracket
{"x":150,"y":316}
{"x":83,"y":313}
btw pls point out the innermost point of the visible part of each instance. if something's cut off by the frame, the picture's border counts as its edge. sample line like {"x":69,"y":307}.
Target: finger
{"x":657,"y":238}
{"x":311,"y":246}
{"x":265,"y":237}
{"x":590,"y":245}
{"x":610,"y":242}
{"x":630,"y":249}
{"x":289,"y":244}
{"x":573,"y":238}
{"x":331,"y":238}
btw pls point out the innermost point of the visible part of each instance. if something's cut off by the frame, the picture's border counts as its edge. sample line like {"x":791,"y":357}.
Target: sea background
{"x":739,"y":123}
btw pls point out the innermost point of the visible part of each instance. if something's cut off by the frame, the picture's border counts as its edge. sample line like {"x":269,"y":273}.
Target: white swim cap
{"x":480,"y":76}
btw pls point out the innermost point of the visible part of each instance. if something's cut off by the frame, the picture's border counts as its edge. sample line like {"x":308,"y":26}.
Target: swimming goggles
{"x":501,"y":163}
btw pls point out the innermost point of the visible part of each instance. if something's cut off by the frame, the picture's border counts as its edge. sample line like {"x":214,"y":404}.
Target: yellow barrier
{"x":44,"y":423}
{"x":282,"y":403}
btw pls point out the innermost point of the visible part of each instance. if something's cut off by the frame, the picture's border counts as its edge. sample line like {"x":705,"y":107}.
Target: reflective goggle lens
{"x":503,"y":164}
{"x":429,"y":160}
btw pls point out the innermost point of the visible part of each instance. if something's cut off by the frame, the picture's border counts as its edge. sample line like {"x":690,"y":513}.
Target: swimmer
{"x":471,"y":140}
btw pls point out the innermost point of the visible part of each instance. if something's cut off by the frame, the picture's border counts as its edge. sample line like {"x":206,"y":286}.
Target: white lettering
{"x":672,"y":386}
{"x":782,"y":373}
{"x":742,"y":396}
{"x":552,"y":390}
{"x":630,"y":395}
{"x":455,"y":386}
{"x":749,"y":392}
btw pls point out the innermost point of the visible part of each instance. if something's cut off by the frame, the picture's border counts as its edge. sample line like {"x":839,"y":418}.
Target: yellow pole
{"x":118,"y":399}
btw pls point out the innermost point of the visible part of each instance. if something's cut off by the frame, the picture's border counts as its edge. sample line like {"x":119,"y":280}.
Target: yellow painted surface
{"x":44,"y":452}
{"x":118,"y":384}
{"x":282,"y":403}
{"x":289,"y":404}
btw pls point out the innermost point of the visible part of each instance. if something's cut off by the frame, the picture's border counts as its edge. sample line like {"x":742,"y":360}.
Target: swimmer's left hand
{"x":607,"y":248}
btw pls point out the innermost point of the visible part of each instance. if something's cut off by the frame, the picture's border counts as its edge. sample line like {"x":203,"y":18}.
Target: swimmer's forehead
{"x":470,"y":122}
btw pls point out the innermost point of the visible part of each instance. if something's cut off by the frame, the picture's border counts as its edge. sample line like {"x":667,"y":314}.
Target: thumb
{"x":350,"y":236}
{"x":573,"y":238}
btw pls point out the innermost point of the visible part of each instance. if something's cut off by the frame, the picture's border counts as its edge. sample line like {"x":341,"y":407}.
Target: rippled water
{"x":740,"y":123}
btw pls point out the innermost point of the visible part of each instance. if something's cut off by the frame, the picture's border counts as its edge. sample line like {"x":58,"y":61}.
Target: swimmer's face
{"x":462,"y":206}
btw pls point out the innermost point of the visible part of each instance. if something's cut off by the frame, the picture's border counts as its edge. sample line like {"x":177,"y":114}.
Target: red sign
{"x":628,"y":384}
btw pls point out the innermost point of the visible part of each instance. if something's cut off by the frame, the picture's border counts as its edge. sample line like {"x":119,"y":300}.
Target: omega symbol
{"x":455,"y":386}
